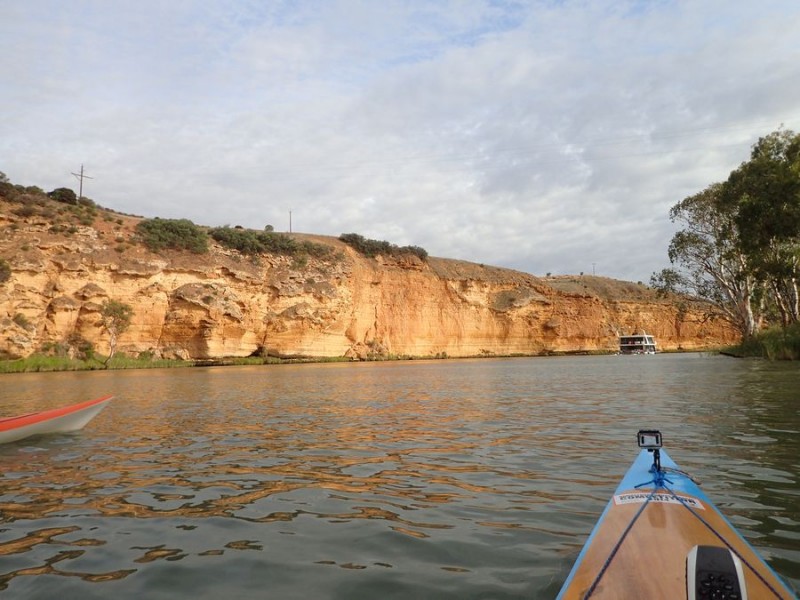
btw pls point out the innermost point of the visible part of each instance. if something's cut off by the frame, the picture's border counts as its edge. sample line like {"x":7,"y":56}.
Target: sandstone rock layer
{"x":223,"y":304}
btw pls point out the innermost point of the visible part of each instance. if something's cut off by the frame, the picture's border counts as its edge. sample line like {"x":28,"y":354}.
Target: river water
{"x":440,"y":479}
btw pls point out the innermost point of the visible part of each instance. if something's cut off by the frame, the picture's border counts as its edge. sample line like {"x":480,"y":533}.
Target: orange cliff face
{"x":223,"y":304}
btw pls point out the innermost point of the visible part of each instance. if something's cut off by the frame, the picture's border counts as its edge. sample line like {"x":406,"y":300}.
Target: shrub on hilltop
{"x":65,"y":195}
{"x":173,"y":234}
{"x":61,"y":207}
{"x":251,"y":242}
{"x":245,"y":241}
{"x":415,"y":250}
{"x":372,"y":248}
{"x":6,"y":187}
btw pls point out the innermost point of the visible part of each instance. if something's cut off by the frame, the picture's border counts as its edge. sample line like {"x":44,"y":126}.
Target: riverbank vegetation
{"x":42,"y":363}
{"x":775,"y":343}
{"x":739,"y":247}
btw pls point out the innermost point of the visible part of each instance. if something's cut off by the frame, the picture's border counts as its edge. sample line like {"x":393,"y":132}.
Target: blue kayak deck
{"x":638,"y":547}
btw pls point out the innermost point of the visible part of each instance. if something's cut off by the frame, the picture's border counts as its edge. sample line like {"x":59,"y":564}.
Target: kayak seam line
{"x":617,"y":546}
{"x":727,"y":544}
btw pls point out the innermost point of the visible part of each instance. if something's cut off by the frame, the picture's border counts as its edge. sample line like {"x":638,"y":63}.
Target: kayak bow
{"x":661,"y":537}
{"x":57,"y":420}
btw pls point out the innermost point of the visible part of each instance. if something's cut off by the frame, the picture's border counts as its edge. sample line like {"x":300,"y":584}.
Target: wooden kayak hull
{"x":57,"y":420}
{"x":639,"y":546}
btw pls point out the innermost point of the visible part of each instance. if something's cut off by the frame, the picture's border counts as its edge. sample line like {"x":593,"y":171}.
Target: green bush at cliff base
{"x":774,"y":344}
{"x":5,"y":270}
{"x":39,"y":363}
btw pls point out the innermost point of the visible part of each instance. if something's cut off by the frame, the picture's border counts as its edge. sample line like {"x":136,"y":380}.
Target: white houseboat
{"x":637,"y":344}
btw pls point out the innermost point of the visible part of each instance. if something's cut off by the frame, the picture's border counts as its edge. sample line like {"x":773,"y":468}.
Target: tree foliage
{"x":739,"y":247}
{"x":709,"y":252}
{"x":65,"y":195}
{"x":173,"y":234}
{"x":7,"y":189}
{"x":766,"y":191}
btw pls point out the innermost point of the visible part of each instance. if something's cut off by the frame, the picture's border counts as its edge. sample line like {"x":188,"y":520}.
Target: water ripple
{"x":458,"y":479}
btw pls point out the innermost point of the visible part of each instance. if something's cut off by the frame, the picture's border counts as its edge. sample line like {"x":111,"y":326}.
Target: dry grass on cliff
{"x":43,"y":219}
{"x":604,"y":288}
{"x":449,"y":268}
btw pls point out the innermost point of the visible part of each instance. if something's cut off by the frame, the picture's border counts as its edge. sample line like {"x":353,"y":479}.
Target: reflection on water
{"x":457,"y":479}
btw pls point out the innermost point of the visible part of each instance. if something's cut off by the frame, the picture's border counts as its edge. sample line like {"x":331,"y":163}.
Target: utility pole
{"x":290,"y":220}
{"x":81,"y":177}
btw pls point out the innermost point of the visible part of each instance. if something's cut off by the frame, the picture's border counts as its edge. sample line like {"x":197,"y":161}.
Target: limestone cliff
{"x":223,"y":304}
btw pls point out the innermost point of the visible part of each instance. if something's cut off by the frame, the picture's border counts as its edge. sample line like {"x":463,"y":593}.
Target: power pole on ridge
{"x":81,"y":177}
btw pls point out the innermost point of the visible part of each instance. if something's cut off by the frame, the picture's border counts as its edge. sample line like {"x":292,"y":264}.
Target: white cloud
{"x":547,"y":137}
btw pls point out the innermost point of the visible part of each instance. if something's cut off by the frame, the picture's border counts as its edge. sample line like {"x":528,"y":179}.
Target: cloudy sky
{"x":542,"y":135}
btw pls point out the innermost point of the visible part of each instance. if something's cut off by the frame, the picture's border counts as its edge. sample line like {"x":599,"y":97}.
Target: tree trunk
{"x":749,"y":320}
{"x":112,"y":346}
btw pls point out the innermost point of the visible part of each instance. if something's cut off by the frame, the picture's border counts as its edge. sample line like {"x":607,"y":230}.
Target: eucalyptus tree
{"x":115,"y":318}
{"x":766,"y":193}
{"x":740,"y":243}
{"x":708,"y":261}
